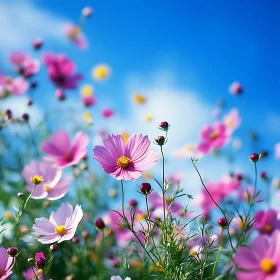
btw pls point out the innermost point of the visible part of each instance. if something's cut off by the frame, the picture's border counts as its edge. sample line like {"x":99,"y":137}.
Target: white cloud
{"x":21,"y":22}
{"x":182,"y":108}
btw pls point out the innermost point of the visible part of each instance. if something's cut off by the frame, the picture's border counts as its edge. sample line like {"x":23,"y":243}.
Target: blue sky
{"x":189,"y":50}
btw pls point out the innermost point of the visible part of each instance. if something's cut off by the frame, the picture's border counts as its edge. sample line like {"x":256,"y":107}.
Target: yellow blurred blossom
{"x":147,"y":175}
{"x":88,"y":118}
{"x":139,"y":99}
{"x":101,"y":72}
{"x":87,"y":90}
{"x":125,"y":136}
{"x":148,"y":117}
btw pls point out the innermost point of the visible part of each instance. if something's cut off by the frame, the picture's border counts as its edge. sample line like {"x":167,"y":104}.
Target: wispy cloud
{"x":22,"y":21}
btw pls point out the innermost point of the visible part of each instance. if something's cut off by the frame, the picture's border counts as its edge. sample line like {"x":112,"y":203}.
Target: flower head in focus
{"x":126,"y":160}
{"x":61,"y":225}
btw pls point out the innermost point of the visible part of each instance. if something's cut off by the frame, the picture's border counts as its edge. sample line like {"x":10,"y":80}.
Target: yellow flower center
{"x":147,"y":175}
{"x":123,"y":162}
{"x":9,"y":80}
{"x":2,"y":272}
{"x":229,"y":122}
{"x":148,"y":117}
{"x":36,"y":179}
{"x":214,"y":135}
{"x":47,"y":188}
{"x":60,"y":230}
{"x":140,"y":217}
{"x":267,"y":265}
{"x":40,"y":272}
{"x":190,"y":147}
{"x":75,"y":31}
{"x":268,"y":228}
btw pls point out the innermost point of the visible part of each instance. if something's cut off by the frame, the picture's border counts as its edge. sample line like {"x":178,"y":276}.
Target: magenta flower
{"x":62,"y":152}
{"x":6,"y":264}
{"x":61,"y":225}
{"x":266,"y":222}
{"x":40,"y":260}
{"x":88,"y":100}
{"x":125,"y":161}
{"x":213,"y":137}
{"x":61,"y":71}
{"x":107,"y":113}
{"x":261,"y":261}
{"x":52,"y":187}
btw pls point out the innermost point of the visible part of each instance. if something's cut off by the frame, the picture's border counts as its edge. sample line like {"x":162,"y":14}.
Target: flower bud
{"x":263,"y":175}
{"x":85,"y":234}
{"x":29,"y":102}
{"x":239,"y":176}
{"x":12,"y":251}
{"x":132,"y":203}
{"x":99,"y":223}
{"x":9,"y":113}
{"x":60,"y":94}
{"x":25,"y":116}
{"x":33,"y":85}
{"x":160,"y":140}
{"x":87,"y":12}
{"x":53,"y":247}
{"x":20,"y":195}
{"x":76,"y":239}
{"x":40,"y":260}
{"x":254,"y":157}
{"x":223,"y":222}
{"x":164,"y":126}
{"x":145,"y":188}
{"x":37,"y":44}
{"x":30,"y":260}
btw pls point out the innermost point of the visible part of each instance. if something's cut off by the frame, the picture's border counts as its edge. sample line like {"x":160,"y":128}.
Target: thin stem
{"x":224,"y":214}
{"x":163,"y":184}
{"x":131,"y":228}
{"x":25,"y":204}
{"x":217,"y":257}
{"x":44,"y":274}
{"x":18,"y":275}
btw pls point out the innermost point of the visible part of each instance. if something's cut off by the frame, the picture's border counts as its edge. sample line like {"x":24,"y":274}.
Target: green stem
{"x":18,"y":275}
{"x":217,"y":257}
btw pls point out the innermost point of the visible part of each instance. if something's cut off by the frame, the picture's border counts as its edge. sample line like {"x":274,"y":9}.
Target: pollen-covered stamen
{"x":47,"y":188}
{"x":123,"y":162}
{"x":214,"y":135}
{"x":2,"y":272}
{"x":267,"y":266}
{"x":60,"y":230}
{"x":268,"y":228}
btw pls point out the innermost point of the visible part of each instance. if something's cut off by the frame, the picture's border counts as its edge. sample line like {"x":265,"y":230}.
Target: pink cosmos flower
{"x":52,"y":187}
{"x":266,"y":222}
{"x":277,"y":150}
{"x":62,"y":152}
{"x":75,"y":35}
{"x":235,"y":88}
{"x":29,"y":274}
{"x":107,"y":113}
{"x":6,"y":264}
{"x":261,"y":261}
{"x":61,"y":225}
{"x":16,"y":86}
{"x":24,"y":64}
{"x":213,"y":137}
{"x":125,"y":160}
{"x":61,"y":71}
{"x":232,"y":120}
